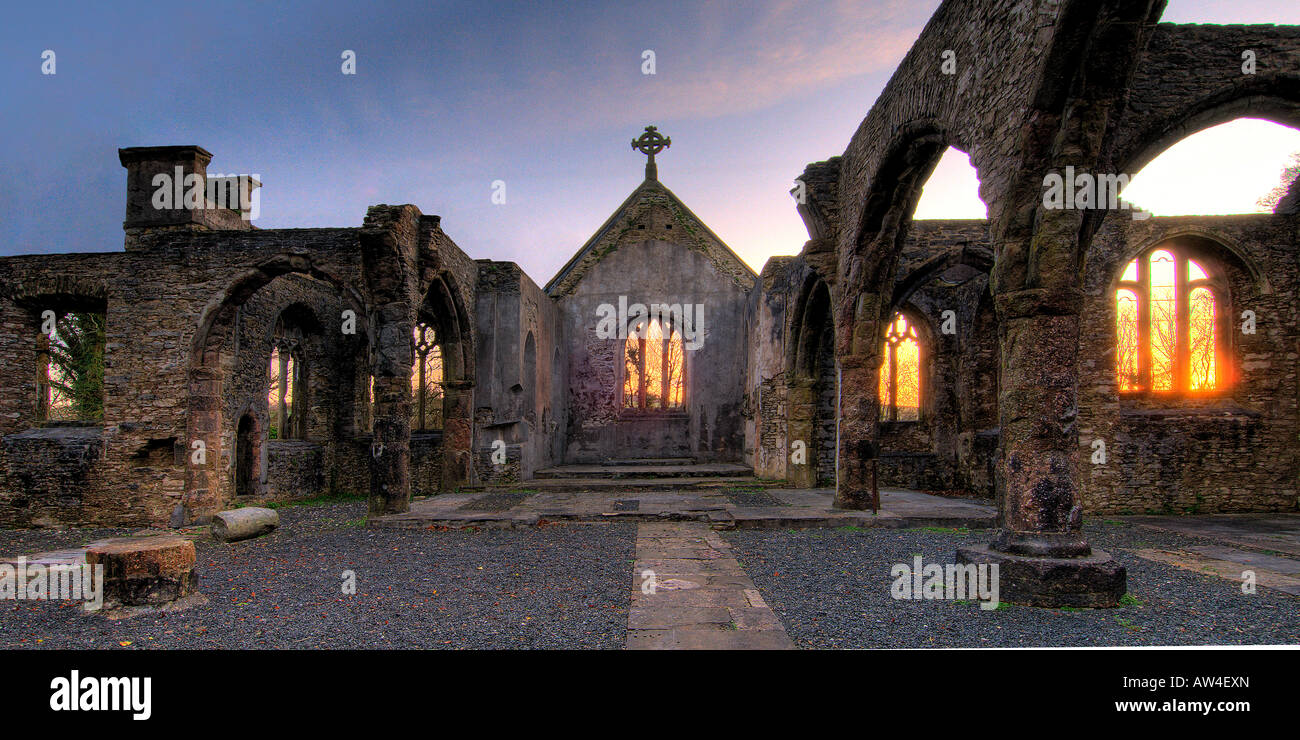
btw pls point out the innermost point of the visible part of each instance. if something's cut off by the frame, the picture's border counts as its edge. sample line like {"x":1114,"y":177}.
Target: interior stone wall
{"x":711,"y":426}
{"x":1232,"y":451}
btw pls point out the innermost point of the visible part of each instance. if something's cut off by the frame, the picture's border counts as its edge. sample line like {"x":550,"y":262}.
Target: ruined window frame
{"x":1215,"y":281}
{"x":45,"y":364}
{"x":291,"y":391}
{"x":641,"y":408}
{"x":889,"y":364}
{"x":291,"y":340}
{"x":425,"y":340}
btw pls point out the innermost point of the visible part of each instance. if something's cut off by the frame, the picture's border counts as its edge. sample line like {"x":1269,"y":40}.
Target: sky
{"x":545,"y":97}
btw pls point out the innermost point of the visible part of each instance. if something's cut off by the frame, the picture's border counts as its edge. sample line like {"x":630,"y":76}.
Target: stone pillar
{"x":799,"y":428}
{"x":388,"y":242}
{"x":1043,"y":557}
{"x":458,"y":435}
{"x":390,"y":447}
{"x":859,"y":414}
{"x":202,"y":482}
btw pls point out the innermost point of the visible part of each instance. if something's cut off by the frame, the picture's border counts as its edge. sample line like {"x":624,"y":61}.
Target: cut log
{"x":144,"y":571}
{"x":242,"y":524}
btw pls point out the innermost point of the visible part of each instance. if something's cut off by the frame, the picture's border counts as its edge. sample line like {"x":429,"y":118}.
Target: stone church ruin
{"x":240,"y":364}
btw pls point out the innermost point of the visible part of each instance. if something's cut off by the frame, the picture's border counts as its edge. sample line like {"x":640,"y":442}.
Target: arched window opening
{"x":530,"y":379}
{"x":654,"y":368}
{"x":287,"y":398}
{"x":952,"y":191}
{"x":900,"y":373}
{"x":370,"y":402}
{"x":1233,"y":167}
{"x":1167,"y":315}
{"x":426,"y":380}
{"x":70,"y":381}
{"x":287,"y":395}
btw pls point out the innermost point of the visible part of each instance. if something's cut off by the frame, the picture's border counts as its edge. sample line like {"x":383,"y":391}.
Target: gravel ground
{"x":16,"y":542}
{"x":831,"y":589}
{"x":548,"y":587}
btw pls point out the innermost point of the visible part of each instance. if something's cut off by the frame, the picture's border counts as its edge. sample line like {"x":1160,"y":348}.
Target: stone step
{"x":697,"y":470}
{"x":633,"y":484}
{"x":652,"y":461}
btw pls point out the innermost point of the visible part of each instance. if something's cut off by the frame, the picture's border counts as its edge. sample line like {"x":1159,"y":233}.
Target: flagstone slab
{"x":704,"y":601}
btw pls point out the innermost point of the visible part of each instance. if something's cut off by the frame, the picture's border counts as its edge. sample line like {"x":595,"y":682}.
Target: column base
{"x":1094,"y":581}
{"x":855,"y":501}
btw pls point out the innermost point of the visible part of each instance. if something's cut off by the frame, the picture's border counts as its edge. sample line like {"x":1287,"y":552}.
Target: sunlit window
{"x":296,"y":330}
{"x":900,"y":373}
{"x":426,"y":381}
{"x":1167,"y":334}
{"x":286,"y":395}
{"x":653,"y":368}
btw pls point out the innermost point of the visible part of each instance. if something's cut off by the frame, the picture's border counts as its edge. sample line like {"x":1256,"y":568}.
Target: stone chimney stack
{"x":168,"y":187}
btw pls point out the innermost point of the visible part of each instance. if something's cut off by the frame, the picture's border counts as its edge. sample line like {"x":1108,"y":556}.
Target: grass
{"x":944,"y":530}
{"x":324,"y":500}
{"x":1129,"y":600}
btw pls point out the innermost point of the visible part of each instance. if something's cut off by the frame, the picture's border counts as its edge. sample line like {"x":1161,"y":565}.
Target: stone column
{"x":457,"y":435}
{"x":857,"y":346}
{"x":388,"y":242}
{"x":390,"y":447}
{"x":1043,"y":557}
{"x":202,"y":481}
{"x":800,"y":401}
{"x":859,"y":414}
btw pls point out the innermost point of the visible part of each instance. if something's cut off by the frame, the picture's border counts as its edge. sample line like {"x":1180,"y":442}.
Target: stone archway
{"x":203,"y":477}
{"x":812,"y":401}
{"x":442,"y":310}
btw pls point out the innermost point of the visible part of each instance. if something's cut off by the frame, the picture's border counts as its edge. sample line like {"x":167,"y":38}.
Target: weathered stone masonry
{"x":190,"y":309}
{"x":1013,"y":399}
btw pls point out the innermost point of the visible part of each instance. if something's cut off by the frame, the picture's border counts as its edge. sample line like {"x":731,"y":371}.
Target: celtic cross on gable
{"x":651,"y":143}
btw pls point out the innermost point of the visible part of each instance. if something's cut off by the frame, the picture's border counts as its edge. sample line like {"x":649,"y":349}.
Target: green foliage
{"x":77,"y":366}
{"x":1288,"y":176}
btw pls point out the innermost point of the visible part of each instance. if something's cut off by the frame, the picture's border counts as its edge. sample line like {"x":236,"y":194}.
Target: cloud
{"x":720,"y":60}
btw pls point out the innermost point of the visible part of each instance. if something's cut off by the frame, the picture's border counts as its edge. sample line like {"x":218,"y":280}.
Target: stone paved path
{"x":729,"y":507}
{"x":1266,"y":544}
{"x":690,"y":593}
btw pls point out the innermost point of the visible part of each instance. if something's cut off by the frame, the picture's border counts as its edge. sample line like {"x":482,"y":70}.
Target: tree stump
{"x":144,"y":571}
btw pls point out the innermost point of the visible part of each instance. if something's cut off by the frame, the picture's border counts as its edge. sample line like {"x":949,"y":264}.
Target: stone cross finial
{"x":651,"y":143}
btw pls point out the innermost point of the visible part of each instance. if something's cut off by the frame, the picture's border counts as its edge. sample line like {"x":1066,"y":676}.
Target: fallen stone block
{"x":243,"y":524}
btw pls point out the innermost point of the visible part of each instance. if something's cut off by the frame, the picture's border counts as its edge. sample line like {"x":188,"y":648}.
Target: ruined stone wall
{"x":1220,"y":452}
{"x":517,"y":400}
{"x":765,"y":380}
{"x":711,"y":427}
{"x":1191,"y":77}
{"x":51,"y":476}
{"x":294,"y":468}
{"x":156,"y":294}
